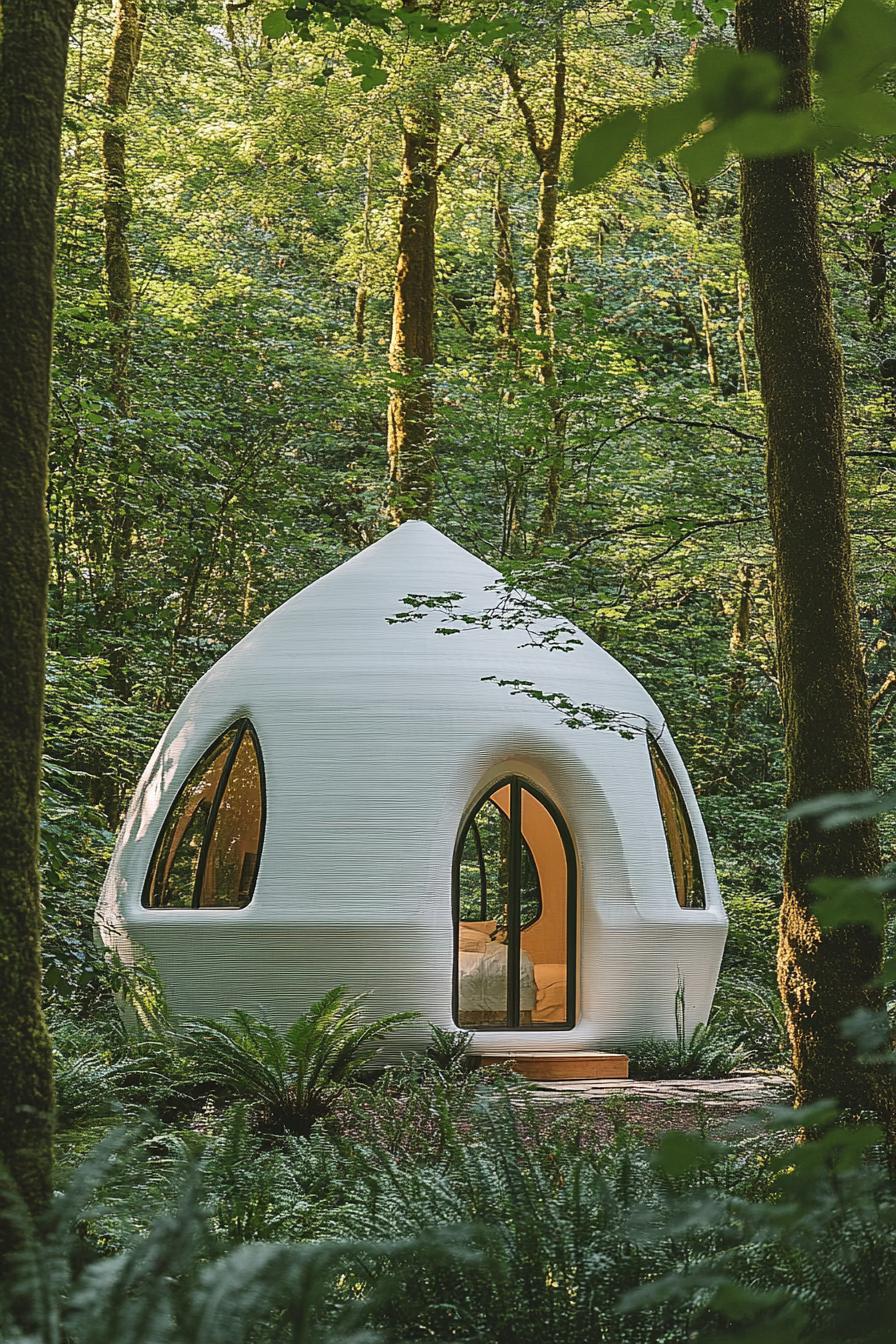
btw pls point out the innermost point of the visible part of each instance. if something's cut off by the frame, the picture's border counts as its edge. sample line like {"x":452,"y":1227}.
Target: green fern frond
{"x":289,"y":1079}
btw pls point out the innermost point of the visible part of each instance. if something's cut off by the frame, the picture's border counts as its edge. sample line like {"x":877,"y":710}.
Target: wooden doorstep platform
{"x":575,"y":1064}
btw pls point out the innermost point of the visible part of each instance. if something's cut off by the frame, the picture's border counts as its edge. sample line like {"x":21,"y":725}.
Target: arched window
{"x":514,"y":913}
{"x":683,"y":855}
{"x":484,"y":871}
{"x":207,"y":854}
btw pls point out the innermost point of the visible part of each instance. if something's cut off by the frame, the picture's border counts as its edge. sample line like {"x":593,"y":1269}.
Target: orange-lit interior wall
{"x":545,"y":940}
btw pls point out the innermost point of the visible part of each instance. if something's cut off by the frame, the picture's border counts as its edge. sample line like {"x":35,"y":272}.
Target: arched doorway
{"x":514,"y":892}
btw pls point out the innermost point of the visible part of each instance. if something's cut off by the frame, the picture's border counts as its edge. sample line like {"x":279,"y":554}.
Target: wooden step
{"x":559,"y":1068}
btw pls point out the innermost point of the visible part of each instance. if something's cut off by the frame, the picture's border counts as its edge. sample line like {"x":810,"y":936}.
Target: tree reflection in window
{"x":484,"y":870}
{"x":679,"y":834}
{"x":207,"y":854}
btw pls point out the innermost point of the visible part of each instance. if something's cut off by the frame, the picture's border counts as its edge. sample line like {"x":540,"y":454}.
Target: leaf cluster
{"x":735,"y":104}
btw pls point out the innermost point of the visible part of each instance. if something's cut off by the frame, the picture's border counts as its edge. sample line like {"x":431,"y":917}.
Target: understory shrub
{"x":707,"y":1051}
{"x":103,"y":1070}
{"x":288,"y":1079}
{"x":751,"y":947}
{"x":456,"y":1205}
{"x":750,"y":1013}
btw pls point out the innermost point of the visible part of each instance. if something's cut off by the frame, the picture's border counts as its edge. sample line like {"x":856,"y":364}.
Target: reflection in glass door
{"x":514,"y":894}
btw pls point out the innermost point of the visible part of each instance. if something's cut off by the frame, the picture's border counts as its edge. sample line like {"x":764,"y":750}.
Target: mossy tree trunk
{"x":740,"y":336}
{"x":709,"y":344}
{"x":508,"y":321}
{"x":740,"y":637}
{"x":823,"y":975}
{"x":33,"y":49}
{"x":878,"y":259}
{"x":505,"y":296}
{"x":412,"y":346}
{"x":410,"y":430}
{"x":362,"y":291}
{"x":547,"y":150}
{"x":699,"y":198}
{"x":127,"y":37}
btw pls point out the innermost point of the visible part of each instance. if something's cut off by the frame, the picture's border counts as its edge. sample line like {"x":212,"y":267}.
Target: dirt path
{"x":681,"y":1103}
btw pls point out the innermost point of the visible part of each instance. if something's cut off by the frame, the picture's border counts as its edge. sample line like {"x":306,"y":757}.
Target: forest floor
{"x":654,"y":1106}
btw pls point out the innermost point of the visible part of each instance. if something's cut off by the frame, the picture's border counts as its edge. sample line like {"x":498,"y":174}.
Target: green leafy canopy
{"x":366,"y":57}
{"x":734,"y":104}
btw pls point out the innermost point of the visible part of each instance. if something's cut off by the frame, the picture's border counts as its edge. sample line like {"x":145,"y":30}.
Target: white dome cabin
{"x":349,"y":799}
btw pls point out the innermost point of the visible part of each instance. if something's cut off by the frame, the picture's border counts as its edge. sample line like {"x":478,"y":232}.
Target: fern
{"x":507,"y":1220}
{"x":289,"y":1080}
{"x":550,"y":1225}
{"x":449,"y":1049}
{"x":177,"y":1283}
{"x":706,"y":1052}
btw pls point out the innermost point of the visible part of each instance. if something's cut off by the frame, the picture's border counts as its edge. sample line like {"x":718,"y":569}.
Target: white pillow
{"x":486,"y":926}
{"x":472,"y":940}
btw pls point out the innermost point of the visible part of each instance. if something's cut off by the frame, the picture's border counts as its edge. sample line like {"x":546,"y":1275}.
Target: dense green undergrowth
{"x":438,"y":1203}
{"x":428,"y":1201}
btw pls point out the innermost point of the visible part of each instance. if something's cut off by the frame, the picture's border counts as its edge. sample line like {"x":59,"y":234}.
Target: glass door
{"x":514,"y":904}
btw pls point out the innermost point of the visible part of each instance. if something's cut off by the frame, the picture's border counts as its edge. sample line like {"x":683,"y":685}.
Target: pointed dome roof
{"x":352,"y":637}
{"x":413,"y":558}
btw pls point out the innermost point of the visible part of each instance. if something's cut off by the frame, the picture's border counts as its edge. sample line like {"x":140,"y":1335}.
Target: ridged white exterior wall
{"x":376,"y":738}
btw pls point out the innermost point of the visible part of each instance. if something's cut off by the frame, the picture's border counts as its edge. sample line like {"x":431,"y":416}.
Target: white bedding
{"x":482,"y":984}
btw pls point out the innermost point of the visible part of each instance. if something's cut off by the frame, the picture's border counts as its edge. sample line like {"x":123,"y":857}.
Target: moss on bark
{"x":823,"y":974}
{"x":412,"y":347}
{"x":33,"y":50}
{"x":127,"y":38}
{"x":547,"y":151}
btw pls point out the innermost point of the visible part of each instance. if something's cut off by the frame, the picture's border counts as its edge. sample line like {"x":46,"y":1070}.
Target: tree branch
{"x":694,"y":526}
{"x":536,"y":143}
{"x":688,"y":423}
{"x":446,"y":163}
{"x":888,"y":684}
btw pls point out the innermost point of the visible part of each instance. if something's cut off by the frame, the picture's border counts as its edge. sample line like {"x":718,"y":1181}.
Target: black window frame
{"x":240,"y":727}
{"x":658,"y":761}
{"x":514,"y":928}
{"x":473,"y":825}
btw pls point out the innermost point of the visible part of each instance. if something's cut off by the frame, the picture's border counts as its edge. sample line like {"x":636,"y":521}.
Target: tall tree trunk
{"x":699,"y":198}
{"x":740,"y":635}
{"x":232,"y":7}
{"x":878,"y":264}
{"x":33,"y":49}
{"x":359,"y":316}
{"x":412,"y":347}
{"x":361,"y":292}
{"x":740,"y":337}
{"x":505,"y":297}
{"x":709,"y":345}
{"x":127,"y":37}
{"x":506,"y":305}
{"x":823,"y":974}
{"x":547,"y":150}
